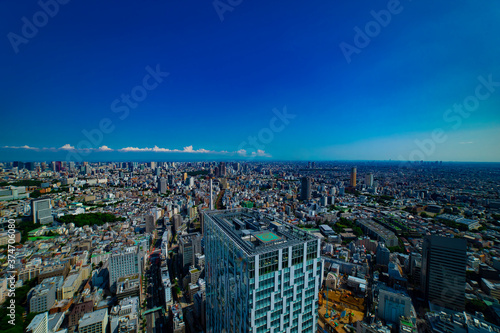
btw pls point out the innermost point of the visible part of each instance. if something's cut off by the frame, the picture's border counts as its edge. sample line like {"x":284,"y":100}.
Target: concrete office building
{"x":94,"y":322}
{"x":162,"y":186}
{"x":44,"y":295}
{"x":263,"y":275}
{"x":383,"y":255}
{"x":41,"y":211}
{"x":39,"y":324}
{"x":443,"y":271}
{"x":123,"y":262}
{"x":189,"y":245}
{"x":393,"y":304}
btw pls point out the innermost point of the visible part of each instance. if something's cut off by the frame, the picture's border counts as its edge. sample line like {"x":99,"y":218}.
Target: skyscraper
{"x":305,"y":191}
{"x":443,"y":271}
{"x":170,"y":179}
{"x":263,"y":275}
{"x":353,"y":177}
{"x":222,"y":169}
{"x":162,"y":186}
{"x":369,"y":180}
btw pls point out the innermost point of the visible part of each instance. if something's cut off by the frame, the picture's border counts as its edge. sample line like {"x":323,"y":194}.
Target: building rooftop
{"x":255,"y":232}
{"x":36,"y":321}
{"x":92,"y":318}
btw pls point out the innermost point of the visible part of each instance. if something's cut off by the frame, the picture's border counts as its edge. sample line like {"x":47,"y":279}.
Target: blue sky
{"x":225,"y":78}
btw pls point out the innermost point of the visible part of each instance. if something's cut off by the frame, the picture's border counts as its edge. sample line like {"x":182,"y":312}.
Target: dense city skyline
{"x":358,"y":81}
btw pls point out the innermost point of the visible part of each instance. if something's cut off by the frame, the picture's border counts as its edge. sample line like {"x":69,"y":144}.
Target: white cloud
{"x":105,"y":148}
{"x":67,"y":147}
{"x":156,"y":149}
{"x":20,"y":147}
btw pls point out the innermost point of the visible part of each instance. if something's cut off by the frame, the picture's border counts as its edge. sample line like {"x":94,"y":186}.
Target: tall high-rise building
{"x":443,"y":271}
{"x":170,"y":179}
{"x":222,"y":169}
{"x":353,"y":177}
{"x":30,"y":166}
{"x":263,"y":275}
{"x":369,"y":180}
{"x":150,"y":223}
{"x":305,"y":191}
{"x":162,"y":186}
{"x":123,"y":262}
{"x":41,"y":211}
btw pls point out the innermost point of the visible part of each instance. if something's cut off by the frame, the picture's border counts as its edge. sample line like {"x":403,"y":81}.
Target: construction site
{"x":339,"y":310}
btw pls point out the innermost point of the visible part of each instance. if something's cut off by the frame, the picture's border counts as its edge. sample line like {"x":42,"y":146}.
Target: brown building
{"x":61,"y":269}
{"x":78,"y":311}
{"x":61,"y":306}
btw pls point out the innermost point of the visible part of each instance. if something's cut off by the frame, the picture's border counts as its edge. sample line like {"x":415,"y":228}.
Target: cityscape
{"x":250,"y":246}
{"x":236,"y":166}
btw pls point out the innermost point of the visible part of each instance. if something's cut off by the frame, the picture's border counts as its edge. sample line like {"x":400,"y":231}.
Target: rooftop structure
{"x":272,"y":267}
{"x":257,"y":233}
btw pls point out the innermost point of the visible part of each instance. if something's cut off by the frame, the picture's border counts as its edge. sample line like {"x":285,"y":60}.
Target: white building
{"x":123,"y":262}
{"x":94,"y":322}
{"x":41,"y":211}
{"x":39,"y":324}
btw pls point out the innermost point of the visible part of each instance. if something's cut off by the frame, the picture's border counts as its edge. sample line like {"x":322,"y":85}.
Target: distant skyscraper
{"x":41,"y":211}
{"x":443,"y":271}
{"x":170,"y":179}
{"x":222,"y":169}
{"x":263,"y":275}
{"x":369,"y":180}
{"x":353,"y":177}
{"x":162,"y":186}
{"x":305,"y":192}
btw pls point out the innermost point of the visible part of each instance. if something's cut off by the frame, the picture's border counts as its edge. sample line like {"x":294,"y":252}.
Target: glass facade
{"x":273,"y":288}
